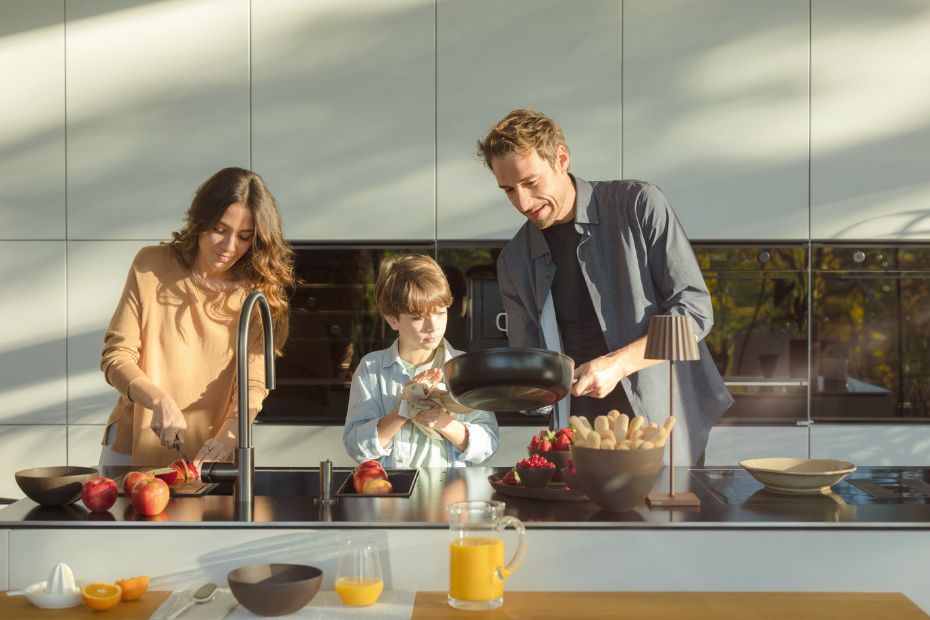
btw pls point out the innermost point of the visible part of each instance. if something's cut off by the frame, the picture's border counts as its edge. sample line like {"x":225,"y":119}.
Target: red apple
{"x":377,"y":486}
{"x":99,"y":494}
{"x":367,"y":471}
{"x":170,"y":475}
{"x":150,"y":496}
{"x":130,"y":480}
{"x":186,"y":471}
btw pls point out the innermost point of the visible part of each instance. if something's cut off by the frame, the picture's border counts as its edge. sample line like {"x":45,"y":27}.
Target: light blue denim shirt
{"x":376,"y":385}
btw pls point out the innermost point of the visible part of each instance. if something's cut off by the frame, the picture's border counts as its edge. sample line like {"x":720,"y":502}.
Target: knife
{"x":177,"y":446}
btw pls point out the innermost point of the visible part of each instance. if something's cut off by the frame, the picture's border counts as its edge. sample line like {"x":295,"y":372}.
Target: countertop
{"x":559,"y":605}
{"x":730,"y":499}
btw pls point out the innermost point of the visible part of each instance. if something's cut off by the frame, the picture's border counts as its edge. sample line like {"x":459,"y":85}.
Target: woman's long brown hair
{"x":268,"y":266}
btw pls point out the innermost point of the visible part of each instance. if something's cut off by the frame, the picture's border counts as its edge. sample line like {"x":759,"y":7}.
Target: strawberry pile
{"x":548,"y":440}
{"x":536,"y":462}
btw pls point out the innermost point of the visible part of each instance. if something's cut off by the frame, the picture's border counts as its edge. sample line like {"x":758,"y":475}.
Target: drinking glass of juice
{"x":476,"y":554}
{"x":358,"y":574}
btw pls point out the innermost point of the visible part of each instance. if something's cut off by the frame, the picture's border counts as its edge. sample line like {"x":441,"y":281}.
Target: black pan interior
{"x":509,"y":379}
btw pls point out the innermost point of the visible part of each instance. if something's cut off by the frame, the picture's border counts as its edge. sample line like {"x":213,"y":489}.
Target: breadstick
{"x":637,"y":444}
{"x":579,"y":422}
{"x":635,"y":424}
{"x":594,"y":440}
{"x":647,"y":445}
{"x":601,"y":423}
{"x":623,"y":423}
{"x":669,"y":424}
{"x":608,"y":443}
{"x":624,"y":445}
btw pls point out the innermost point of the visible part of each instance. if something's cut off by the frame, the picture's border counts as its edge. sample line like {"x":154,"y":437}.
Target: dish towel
{"x":392,"y":605}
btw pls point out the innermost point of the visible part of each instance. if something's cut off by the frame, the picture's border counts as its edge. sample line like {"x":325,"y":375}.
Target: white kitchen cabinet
{"x":343,"y":116}
{"x":32,"y":133}
{"x":157,"y":101}
{"x":715,"y":112}
{"x":96,"y":275}
{"x":872,"y":444}
{"x":561,"y":58}
{"x":728,"y":445}
{"x":27,"y":446}
{"x":870,"y":119}
{"x":84,"y":444}
{"x":32,"y":344}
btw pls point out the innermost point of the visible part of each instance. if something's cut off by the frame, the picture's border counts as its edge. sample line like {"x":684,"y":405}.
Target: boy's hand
{"x":435,"y":417}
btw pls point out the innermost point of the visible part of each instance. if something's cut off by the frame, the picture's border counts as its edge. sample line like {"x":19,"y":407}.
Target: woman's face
{"x":221,"y":247}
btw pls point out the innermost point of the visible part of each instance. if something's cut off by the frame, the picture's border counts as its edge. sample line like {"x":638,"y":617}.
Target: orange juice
{"x":473,"y":569}
{"x":357,"y":591}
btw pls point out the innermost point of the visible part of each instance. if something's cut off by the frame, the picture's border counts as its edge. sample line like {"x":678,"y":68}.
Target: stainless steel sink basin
{"x":288,"y":482}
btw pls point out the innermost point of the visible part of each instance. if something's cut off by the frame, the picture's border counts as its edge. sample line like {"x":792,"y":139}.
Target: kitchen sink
{"x":287,"y":482}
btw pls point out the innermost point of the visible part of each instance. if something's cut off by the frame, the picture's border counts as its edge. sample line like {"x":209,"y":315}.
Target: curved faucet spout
{"x":242,"y":360}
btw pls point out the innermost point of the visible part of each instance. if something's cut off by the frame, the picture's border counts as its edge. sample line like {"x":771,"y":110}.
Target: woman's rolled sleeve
{"x":122,"y":343}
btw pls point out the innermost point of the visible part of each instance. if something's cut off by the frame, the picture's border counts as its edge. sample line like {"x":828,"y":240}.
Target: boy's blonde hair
{"x":521,"y":132}
{"x":411,"y":284}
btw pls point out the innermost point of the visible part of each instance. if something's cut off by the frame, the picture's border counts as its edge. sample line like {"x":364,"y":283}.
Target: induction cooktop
{"x":876,"y":485}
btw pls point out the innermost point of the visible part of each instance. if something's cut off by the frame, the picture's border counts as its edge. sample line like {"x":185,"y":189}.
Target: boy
{"x":412,"y":295}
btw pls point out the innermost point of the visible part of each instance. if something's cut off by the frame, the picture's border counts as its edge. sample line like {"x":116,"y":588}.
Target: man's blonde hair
{"x":411,"y":284}
{"x":521,"y":132}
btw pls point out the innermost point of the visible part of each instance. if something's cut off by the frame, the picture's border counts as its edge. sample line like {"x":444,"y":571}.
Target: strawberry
{"x":568,"y":431}
{"x":511,"y":478}
{"x":534,"y":442}
{"x":562,"y":443}
{"x":544,"y":445}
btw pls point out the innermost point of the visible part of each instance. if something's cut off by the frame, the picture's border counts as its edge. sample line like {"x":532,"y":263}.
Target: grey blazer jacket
{"x":637,"y":262}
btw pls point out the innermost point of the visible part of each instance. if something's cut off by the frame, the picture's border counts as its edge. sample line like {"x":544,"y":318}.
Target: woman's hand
{"x":220,"y":446}
{"x":168,"y":421}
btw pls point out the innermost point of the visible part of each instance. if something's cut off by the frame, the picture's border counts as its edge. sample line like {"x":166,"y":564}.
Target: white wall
{"x":363,"y":115}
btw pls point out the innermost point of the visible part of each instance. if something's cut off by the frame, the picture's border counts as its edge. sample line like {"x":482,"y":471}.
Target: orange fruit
{"x":101,"y":596}
{"x":134,"y":587}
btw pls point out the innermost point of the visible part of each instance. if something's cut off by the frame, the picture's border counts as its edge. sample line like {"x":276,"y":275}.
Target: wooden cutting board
{"x":16,"y":607}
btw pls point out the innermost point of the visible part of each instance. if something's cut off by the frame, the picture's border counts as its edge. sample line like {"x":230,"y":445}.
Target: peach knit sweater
{"x":182,"y":336}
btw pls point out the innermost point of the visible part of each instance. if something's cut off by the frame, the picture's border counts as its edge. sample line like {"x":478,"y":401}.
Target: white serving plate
{"x":790,"y":475}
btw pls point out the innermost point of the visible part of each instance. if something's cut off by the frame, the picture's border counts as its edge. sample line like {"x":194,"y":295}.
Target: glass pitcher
{"x":476,"y":554}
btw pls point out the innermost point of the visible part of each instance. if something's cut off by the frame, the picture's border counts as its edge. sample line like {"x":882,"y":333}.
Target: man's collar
{"x":585,"y":213}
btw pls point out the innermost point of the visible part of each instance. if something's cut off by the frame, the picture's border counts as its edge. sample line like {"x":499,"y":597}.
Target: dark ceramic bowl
{"x":617,"y":479}
{"x":557,"y":457}
{"x":535,"y":478}
{"x":274,"y":589}
{"x":54,"y":486}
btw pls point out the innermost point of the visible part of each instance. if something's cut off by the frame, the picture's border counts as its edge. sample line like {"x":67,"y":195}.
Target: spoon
{"x":203,"y":594}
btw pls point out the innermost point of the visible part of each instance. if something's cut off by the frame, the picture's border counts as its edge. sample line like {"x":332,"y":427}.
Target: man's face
{"x":545,"y":196}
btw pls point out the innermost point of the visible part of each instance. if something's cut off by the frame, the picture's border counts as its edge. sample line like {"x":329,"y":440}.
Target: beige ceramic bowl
{"x":616,"y":479}
{"x":790,"y":475}
{"x":274,"y":589}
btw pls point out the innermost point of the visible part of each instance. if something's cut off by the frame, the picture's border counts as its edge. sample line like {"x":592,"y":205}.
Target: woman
{"x":170,"y":349}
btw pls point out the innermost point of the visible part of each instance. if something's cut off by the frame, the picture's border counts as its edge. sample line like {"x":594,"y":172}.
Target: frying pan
{"x":509,"y":378}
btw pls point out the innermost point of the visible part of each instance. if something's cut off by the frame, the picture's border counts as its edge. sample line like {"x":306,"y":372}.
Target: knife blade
{"x":177,"y":446}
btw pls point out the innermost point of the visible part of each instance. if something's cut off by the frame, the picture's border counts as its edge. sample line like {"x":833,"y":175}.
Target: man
{"x":595,"y":261}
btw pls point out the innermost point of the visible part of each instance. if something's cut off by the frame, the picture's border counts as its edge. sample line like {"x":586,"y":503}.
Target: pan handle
{"x":500,"y":319}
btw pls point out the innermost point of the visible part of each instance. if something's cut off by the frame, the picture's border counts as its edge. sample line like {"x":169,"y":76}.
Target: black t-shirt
{"x":582,"y":337}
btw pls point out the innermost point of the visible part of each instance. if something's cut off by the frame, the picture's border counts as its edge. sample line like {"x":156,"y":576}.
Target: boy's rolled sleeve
{"x":483,"y":438}
{"x":360,"y":434}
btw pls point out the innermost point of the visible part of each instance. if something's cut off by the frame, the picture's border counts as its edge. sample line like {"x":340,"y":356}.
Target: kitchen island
{"x":740,"y":539}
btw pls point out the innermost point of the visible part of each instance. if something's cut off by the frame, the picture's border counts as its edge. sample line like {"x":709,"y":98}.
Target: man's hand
{"x":168,"y":421}
{"x":597,"y":378}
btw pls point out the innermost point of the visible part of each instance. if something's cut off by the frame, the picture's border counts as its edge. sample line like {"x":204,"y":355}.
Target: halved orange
{"x":134,"y":587}
{"x":101,"y":596}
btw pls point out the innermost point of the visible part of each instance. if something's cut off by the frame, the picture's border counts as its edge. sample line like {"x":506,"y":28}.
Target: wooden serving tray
{"x":557,"y":491}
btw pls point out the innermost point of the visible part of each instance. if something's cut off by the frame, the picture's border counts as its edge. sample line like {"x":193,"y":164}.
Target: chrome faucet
{"x":242,"y":471}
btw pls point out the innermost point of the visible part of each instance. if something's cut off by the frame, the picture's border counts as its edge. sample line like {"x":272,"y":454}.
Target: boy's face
{"x":420,"y":332}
